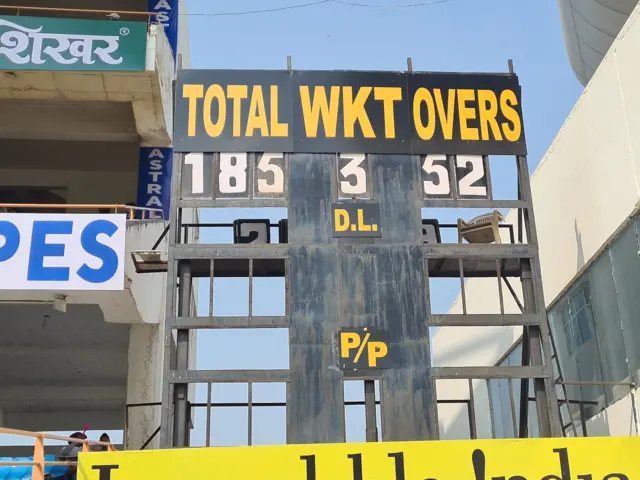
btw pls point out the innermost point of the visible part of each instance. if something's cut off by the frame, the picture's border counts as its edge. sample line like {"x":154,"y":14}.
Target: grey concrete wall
{"x":40,"y":110}
{"x":61,"y":371}
{"x":92,"y":172}
{"x":184,"y":47}
{"x":144,"y":383}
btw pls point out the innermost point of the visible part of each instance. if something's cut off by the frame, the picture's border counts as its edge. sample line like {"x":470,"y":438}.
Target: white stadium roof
{"x":589,"y":28}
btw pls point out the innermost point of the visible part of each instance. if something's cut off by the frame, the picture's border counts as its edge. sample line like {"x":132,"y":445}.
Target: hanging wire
{"x":312,"y":4}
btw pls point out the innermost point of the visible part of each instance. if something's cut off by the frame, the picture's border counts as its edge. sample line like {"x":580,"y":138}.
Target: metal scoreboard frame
{"x":354,"y":157}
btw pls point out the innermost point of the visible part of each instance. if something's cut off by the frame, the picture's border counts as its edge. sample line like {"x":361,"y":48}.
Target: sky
{"x":451,"y":35}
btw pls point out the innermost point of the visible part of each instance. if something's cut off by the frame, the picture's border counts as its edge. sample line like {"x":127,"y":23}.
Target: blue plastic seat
{"x":4,"y":471}
{"x":25,"y":472}
{"x":54,"y":470}
{"x":19,"y":473}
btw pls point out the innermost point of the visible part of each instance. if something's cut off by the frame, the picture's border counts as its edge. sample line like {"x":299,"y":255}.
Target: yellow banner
{"x":610,"y":458}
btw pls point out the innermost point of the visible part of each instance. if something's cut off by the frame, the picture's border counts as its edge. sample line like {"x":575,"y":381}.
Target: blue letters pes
{"x":41,"y":247}
{"x":11,"y":236}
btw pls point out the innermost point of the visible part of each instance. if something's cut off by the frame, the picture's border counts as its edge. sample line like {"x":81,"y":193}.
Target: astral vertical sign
{"x":154,"y":180}
{"x":168,"y":17}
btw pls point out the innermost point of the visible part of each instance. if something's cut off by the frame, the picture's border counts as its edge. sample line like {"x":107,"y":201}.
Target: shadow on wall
{"x":580,"y":259}
{"x":456,"y":426}
{"x":465,"y":349}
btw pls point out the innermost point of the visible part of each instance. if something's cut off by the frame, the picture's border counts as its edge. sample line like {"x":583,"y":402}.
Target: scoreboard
{"x":354,"y":157}
{"x":238,"y":128}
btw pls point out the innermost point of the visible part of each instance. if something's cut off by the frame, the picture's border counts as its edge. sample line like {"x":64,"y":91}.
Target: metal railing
{"x":249,"y":405}
{"x":117,"y":208}
{"x":87,"y":11}
{"x":39,"y":463}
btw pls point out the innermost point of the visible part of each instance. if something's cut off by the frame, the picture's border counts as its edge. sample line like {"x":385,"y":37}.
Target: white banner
{"x":62,"y":251}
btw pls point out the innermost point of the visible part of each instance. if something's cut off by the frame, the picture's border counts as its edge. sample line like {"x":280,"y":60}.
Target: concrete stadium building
{"x":589,"y":28}
{"x":586,"y":196}
{"x":80,"y":132}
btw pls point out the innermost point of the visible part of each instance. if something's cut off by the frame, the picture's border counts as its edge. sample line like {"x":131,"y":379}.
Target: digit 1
{"x":357,"y":465}
{"x":311,"y":466}
{"x":399,"y":461}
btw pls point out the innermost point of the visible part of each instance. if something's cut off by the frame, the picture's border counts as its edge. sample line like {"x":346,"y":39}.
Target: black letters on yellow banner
{"x":582,"y":458}
{"x":373,"y":112}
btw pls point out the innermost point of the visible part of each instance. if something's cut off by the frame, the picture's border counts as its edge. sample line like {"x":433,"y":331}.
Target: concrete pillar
{"x":144,"y":384}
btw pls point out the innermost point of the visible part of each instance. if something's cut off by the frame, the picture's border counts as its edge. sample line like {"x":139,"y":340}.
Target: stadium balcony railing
{"x":133,"y":212}
{"x":40,"y":466}
{"x":84,"y":13}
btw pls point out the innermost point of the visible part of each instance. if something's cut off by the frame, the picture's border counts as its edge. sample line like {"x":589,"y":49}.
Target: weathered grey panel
{"x":408,"y":395}
{"x":359,"y":302}
{"x":387,"y":290}
{"x":334,"y":285}
{"x":310,"y":197}
{"x":315,"y":398}
{"x":395,"y":184}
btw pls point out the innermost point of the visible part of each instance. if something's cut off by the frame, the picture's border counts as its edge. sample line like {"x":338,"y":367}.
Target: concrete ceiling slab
{"x":67,"y":120}
{"x":57,"y":369}
{"x":41,"y":347}
{"x":62,"y":370}
{"x":41,"y":326}
{"x":66,"y":155}
{"x":79,"y":82}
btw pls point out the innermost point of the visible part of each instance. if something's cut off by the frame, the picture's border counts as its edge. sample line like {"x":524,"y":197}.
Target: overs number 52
{"x":469,"y":177}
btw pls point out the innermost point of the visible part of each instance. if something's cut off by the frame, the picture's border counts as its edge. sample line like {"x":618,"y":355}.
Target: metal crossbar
{"x":116,"y":207}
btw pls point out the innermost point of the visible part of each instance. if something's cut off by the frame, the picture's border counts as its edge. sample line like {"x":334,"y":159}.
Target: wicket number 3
{"x":352,"y":175}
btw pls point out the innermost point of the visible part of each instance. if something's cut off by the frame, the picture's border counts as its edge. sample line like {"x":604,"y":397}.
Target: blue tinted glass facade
{"x":596,"y":327}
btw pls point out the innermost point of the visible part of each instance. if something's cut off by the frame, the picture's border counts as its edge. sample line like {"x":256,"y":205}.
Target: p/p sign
{"x":364,"y":348}
{"x":62,"y":251}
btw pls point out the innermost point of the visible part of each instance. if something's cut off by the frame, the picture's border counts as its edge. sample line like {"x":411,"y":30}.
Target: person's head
{"x":78,"y":435}
{"x":105,"y":438}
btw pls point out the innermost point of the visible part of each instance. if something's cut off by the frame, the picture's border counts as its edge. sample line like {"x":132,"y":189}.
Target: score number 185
{"x":233,"y":175}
